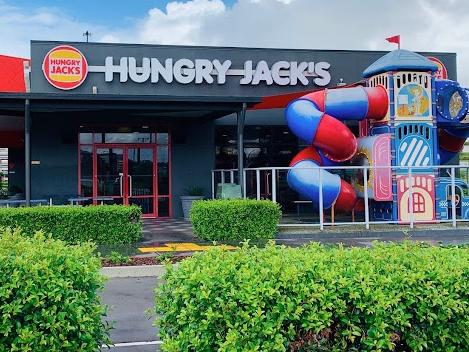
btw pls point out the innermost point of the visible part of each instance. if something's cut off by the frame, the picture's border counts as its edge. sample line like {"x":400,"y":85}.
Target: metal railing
{"x":266,"y":180}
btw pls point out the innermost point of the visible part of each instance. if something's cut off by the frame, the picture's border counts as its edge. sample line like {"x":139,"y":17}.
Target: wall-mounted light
{"x":341,"y":83}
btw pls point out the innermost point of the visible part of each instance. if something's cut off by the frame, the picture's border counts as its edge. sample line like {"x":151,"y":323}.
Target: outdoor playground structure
{"x":411,"y":125}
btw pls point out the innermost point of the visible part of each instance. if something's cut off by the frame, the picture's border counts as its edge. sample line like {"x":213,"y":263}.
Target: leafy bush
{"x":235,"y":219}
{"x":105,"y":224}
{"x":49,"y":295}
{"x":117,"y":258}
{"x":194,"y":191}
{"x":388,"y":298}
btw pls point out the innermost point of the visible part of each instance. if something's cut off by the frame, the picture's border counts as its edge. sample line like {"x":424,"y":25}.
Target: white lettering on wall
{"x":157,"y":70}
{"x":122,"y":69}
{"x":297,"y":73}
{"x":262,"y":74}
{"x":222,"y":69}
{"x":143,"y":73}
{"x":281,"y":77}
{"x":184,"y":71}
{"x":322,"y":70}
{"x":205,"y":71}
{"x":248,"y":73}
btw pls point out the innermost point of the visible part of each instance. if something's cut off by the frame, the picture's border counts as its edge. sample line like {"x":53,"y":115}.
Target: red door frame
{"x":125,"y":170}
{"x":155,"y":146}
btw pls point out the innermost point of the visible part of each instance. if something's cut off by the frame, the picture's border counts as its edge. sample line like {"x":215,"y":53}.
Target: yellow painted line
{"x":182,"y":247}
{"x":155,"y":249}
{"x":222,"y":246}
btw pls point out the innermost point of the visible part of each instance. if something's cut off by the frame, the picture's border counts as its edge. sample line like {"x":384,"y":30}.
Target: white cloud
{"x":110,"y":38}
{"x":424,"y":25}
{"x":181,"y":23}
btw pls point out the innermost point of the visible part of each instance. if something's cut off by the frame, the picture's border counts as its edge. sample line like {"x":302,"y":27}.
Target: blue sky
{"x":424,"y":25}
{"x":99,"y":11}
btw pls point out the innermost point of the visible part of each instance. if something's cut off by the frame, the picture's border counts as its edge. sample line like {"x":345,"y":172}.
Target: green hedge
{"x":389,"y":298}
{"x":104,"y":224}
{"x":49,"y":295}
{"x":235,"y":219}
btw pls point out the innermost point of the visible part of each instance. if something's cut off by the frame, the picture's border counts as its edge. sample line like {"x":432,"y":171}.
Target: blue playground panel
{"x":381,"y":211}
{"x":444,"y":198}
{"x":414,"y":147}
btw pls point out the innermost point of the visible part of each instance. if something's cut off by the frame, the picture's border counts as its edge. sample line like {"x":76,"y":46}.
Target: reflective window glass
{"x":86,"y":138}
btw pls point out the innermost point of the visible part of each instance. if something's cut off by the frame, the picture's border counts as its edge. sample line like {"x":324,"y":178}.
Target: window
{"x":86,"y":171}
{"x":263,"y":146}
{"x":418,"y":203}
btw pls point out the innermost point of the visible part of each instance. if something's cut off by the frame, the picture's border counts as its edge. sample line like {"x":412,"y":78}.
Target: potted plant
{"x":191,"y":194}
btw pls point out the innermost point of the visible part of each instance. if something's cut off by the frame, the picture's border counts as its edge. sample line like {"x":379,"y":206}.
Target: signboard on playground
{"x":442,"y":72}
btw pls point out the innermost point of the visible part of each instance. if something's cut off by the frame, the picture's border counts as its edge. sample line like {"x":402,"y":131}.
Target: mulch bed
{"x":134,"y":261}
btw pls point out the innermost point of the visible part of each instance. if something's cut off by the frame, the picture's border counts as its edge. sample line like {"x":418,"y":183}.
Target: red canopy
{"x":12,"y":74}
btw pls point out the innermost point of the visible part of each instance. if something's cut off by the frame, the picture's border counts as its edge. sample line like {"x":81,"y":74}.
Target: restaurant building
{"x":140,"y":124}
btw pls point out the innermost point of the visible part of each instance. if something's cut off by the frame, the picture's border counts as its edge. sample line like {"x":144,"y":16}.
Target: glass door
{"x":126,"y":174}
{"x":141,"y":178}
{"x":126,"y":168}
{"x":109,"y":176}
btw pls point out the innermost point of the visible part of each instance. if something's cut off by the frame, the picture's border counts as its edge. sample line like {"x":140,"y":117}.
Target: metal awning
{"x":168,"y":107}
{"x":207,"y":107}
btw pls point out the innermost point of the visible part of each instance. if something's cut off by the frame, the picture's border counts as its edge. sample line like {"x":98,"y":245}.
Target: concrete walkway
{"x":177,"y":233}
{"x":160,"y":231}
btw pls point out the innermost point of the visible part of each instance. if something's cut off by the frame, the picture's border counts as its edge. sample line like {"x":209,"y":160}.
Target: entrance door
{"x":109,"y":175}
{"x":126,"y":174}
{"x":140,"y":176}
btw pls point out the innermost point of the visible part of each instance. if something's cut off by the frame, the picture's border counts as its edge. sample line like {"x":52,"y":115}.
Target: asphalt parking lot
{"x":128,"y":300}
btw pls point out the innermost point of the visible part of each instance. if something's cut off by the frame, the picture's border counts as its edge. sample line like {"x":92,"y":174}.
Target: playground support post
{"x":365,"y":197}
{"x":321,"y":205}
{"x":453,"y":198}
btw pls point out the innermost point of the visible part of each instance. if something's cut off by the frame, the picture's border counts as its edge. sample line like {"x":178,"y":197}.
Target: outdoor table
{"x":103,"y":199}
{"x":77,"y":200}
{"x":9,"y":202}
{"x":298,"y":204}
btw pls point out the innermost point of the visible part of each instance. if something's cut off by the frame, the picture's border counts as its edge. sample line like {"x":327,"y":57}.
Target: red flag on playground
{"x":395,"y":39}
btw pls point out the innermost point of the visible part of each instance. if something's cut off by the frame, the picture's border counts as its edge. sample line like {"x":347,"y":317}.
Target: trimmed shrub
{"x":388,"y":298}
{"x":49,"y":295}
{"x":104,"y":224}
{"x":235,"y":219}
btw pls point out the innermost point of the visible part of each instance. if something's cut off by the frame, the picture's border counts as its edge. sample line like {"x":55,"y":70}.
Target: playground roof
{"x":400,"y":60}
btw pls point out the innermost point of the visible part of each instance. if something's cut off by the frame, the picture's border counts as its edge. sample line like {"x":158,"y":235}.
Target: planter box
{"x":186,"y":202}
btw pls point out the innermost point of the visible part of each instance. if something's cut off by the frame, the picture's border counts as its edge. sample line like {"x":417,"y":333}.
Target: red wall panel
{"x":12,"y":74}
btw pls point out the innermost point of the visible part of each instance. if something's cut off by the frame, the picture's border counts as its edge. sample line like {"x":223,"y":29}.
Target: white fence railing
{"x":262,"y":183}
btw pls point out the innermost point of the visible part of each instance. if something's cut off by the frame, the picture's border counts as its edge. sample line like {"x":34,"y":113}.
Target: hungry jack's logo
{"x":65,"y":67}
{"x":442,"y":72}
